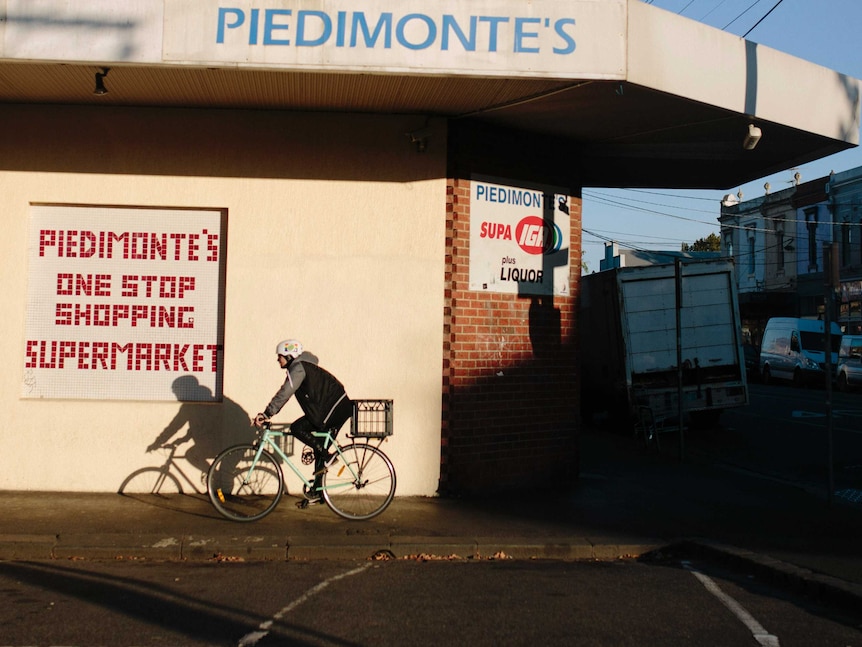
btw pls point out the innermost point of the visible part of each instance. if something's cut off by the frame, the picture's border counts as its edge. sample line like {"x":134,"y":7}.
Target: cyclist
{"x":323,"y":401}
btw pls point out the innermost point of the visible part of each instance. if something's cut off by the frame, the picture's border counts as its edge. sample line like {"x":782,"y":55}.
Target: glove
{"x":259,"y":420}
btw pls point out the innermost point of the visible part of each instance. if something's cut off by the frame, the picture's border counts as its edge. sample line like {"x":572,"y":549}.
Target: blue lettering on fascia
{"x":451,"y":26}
{"x":568,"y":40}
{"x":508,"y":195}
{"x":430,"y":30}
{"x":521,"y":34}
{"x":302,"y":19}
{"x":493,"y":24}
{"x":413,"y":31}
{"x":237,"y":19}
{"x":274,"y":22}
{"x":384,"y":24}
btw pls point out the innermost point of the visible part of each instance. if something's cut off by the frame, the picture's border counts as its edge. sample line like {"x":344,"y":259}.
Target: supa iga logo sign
{"x":519,"y":239}
{"x":538,"y":236}
{"x":534,"y":235}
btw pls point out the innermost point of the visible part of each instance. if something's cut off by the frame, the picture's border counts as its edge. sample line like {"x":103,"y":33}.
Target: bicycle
{"x":161,"y":481}
{"x":649,"y":426}
{"x":246,"y":482}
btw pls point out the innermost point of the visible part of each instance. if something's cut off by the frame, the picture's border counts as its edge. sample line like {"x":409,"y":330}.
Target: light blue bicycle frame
{"x":267,"y":441}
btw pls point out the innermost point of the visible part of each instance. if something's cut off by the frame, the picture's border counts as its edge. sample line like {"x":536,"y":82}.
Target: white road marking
{"x":760,"y":634}
{"x":254,"y":637}
{"x":807,"y":414}
{"x":837,"y":413}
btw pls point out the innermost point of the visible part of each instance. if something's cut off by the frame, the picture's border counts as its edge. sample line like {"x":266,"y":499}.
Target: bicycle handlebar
{"x":276,"y":426}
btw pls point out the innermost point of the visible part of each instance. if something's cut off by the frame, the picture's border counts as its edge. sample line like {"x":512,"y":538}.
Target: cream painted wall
{"x":335,"y":236}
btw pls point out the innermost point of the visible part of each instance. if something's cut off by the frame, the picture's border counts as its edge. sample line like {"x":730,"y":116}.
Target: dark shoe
{"x":314,"y":496}
{"x":310,"y":499}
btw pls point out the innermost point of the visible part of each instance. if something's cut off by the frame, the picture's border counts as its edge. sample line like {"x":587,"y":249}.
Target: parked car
{"x":794,"y":349}
{"x":752,"y":361}
{"x":849,"y":372}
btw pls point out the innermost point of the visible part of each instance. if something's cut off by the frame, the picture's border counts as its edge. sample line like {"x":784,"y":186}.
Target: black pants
{"x":303,"y":428}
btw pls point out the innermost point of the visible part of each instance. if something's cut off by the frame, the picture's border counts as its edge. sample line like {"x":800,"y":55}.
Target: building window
{"x":846,"y":242}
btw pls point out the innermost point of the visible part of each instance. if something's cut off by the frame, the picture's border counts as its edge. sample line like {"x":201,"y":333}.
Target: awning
{"x":656,"y":101}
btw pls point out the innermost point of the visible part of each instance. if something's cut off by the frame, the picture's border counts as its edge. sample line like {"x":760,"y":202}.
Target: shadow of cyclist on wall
{"x":210,"y":426}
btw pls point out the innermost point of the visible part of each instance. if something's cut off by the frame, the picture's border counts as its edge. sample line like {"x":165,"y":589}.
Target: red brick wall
{"x":510,"y":377}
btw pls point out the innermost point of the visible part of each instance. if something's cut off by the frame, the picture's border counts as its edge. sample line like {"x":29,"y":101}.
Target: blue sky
{"x":826,"y":32}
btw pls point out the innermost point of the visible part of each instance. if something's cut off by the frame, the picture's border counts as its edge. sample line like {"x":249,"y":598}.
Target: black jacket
{"x":317,"y":390}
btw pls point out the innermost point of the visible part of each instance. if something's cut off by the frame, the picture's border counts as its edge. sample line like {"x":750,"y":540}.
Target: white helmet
{"x":289,"y":348}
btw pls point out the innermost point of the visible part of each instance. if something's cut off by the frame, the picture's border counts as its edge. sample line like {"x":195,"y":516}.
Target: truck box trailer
{"x":630,"y":346}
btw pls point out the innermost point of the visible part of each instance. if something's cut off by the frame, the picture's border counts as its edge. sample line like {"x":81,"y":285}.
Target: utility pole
{"x":831,"y":283}
{"x":679,"y":390}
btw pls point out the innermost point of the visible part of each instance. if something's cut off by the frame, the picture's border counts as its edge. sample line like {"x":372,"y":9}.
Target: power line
{"x":762,"y":19}
{"x":750,"y":7}
{"x":795,"y":221}
{"x":737,"y":256}
{"x":653,"y":211}
{"x":624,"y":203}
{"x":611,"y":196}
{"x":633,"y":247}
{"x":690,"y":2}
{"x":629,"y":233}
{"x":711,"y":10}
{"x":671,"y":195}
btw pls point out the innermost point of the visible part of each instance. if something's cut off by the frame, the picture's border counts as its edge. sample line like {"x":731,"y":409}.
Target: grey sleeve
{"x":295,"y":376}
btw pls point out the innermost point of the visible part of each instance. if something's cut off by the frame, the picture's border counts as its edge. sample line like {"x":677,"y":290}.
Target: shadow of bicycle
{"x":179,"y":482}
{"x":165,"y":480}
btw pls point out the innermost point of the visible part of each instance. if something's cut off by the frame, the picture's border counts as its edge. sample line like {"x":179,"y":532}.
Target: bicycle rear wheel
{"x":239,"y":492}
{"x":361,"y":484}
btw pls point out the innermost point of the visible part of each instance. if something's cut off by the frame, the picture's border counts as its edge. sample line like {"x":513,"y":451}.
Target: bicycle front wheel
{"x":241,"y":489}
{"x":150,"y":482}
{"x":361,"y":484}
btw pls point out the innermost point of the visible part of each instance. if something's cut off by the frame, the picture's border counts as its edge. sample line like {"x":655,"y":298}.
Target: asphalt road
{"x":659,"y":602}
{"x":784,"y":433}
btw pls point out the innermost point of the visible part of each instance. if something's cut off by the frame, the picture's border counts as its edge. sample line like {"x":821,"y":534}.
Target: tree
{"x":711,"y":243}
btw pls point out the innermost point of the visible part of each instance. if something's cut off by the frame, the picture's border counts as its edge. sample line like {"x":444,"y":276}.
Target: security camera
{"x":751,"y":139}
{"x":420,"y":137}
{"x":417,"y":136}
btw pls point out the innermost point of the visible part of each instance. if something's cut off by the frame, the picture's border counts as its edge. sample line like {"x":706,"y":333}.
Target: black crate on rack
{"x":371,"y":419}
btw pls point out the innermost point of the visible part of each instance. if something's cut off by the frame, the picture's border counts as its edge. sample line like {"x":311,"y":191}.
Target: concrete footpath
{"x":627,"y":503}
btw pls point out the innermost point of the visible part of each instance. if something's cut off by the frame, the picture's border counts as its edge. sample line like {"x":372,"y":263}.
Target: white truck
{"x":630,"y":345}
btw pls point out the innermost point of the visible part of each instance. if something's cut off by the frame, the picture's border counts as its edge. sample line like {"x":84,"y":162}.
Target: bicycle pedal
{"x":302,"y":504}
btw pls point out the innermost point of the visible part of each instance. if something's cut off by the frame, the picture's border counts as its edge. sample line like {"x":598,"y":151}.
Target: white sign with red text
{"x":519,"y":239}
{"x":122,"y":302}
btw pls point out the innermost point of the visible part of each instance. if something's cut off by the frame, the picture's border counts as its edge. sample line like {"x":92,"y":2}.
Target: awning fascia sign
{"x":579,"y":39}
{"x":584,"y":39}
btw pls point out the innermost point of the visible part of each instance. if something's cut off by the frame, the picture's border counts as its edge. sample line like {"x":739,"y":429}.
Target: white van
{"x":849,"y":373}
{"x":793,"y":349}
